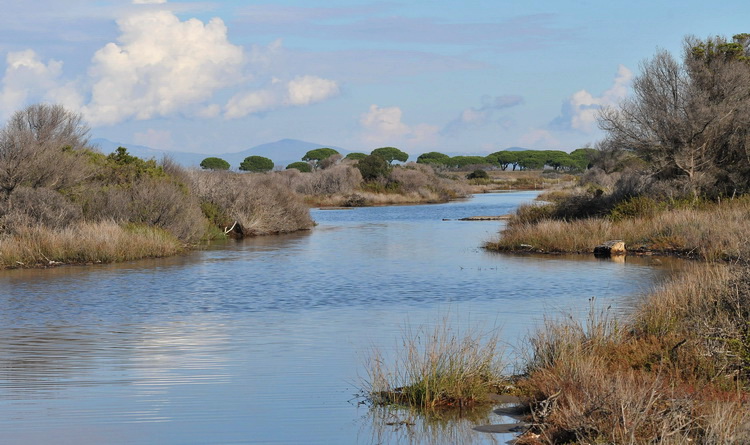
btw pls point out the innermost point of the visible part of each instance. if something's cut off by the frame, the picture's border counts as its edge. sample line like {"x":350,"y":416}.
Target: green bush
{"x":639,"y":206}
{"x":373,"y":167}
{"x":478,"y":174}
{"x":304,"y":167}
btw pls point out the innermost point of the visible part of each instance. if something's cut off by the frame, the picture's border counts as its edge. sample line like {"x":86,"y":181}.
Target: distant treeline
{"x":578,"y":160}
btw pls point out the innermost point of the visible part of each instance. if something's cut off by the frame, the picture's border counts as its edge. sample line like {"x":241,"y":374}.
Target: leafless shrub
{"x":153,"y":201}
{"x":36,"y":207}
{"x":259,"y":203}
{"x":338,"y":179}
{"x":42,"y":146}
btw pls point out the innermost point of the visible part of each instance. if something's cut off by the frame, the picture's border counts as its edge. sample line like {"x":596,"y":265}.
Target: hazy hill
{"x":282,"y":152}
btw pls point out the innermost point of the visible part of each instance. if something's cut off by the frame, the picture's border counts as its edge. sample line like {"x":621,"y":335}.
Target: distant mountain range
{"x":282,"y":152}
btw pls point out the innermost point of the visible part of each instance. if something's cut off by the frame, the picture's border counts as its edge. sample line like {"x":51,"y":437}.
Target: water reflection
{"x":388,"y":425}
{"x":258,"y":341}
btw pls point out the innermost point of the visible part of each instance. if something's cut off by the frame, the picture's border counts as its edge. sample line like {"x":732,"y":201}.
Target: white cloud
{"x":384,"y":126}
{"x":305,"y":90}
{"x":250,"y":102}
{"x":580,"y":111}
{"x":161,"y":139}
{"x":149,"y":2}
{"x":27,"y":78}
{"x":160,"y":66}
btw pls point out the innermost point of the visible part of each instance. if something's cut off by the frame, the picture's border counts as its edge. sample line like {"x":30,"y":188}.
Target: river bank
{"x":675,"y":369}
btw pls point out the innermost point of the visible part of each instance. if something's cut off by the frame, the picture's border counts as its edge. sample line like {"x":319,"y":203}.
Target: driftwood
{"x":610,"y":248}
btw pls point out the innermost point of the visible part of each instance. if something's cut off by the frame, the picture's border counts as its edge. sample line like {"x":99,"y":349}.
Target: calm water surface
{"x":264,"y":340}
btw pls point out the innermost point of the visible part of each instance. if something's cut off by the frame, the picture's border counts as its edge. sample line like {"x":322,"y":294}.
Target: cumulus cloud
{"x":384,"y":126}
{"x":161,"y":65}
{"x":579,"y":112}
{"x":486,"y":113}
{"x":305,"y":90}
{"x":27,"y":78}
{"x":250,"y":102}
{"x":149,"y":2}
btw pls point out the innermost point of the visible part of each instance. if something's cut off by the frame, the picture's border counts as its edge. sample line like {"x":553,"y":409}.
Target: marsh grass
{"x":717,"y":231}
{"x":675,"y":371}
{"x":99,"y":242}
{"x":438,"y":368}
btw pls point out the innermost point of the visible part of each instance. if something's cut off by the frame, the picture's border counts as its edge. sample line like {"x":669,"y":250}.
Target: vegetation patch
{"x":436,"y":369}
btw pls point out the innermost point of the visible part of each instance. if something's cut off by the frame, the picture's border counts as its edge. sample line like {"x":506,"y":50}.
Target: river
{"x":263,"y":341}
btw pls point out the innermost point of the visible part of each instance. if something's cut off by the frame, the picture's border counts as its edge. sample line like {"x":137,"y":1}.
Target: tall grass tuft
{"x":98,"y":242}
{"x":436,"y":369}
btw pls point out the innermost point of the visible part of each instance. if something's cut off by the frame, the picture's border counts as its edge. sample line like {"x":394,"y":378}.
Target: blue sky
{"x":213,"y":77}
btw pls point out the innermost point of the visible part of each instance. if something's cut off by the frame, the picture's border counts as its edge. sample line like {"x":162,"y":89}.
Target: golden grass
{"x":436,"y":369}
{"x":103,"y":242}
{"x":676,"y":371}
{"x":715,"y":231}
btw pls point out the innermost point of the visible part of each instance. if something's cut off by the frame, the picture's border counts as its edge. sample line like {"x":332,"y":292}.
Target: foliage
{"x":465,"y":161}
{"x":690,"y":119}
{"x":304,"y":167}
{"x":391,"y":154}
{"x":256,"y":164}
{"x":213,"y":163}
{"x":355,"y":156}
{"x":373,"y":167}
{"x":314,"y":157}
{"x":433,"y":157}
{"x":478,"y":174}
{"x":504,"y":159}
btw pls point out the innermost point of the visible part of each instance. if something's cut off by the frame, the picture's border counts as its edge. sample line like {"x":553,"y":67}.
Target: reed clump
{"x":80,"y":243}
{"x":436,"y":369}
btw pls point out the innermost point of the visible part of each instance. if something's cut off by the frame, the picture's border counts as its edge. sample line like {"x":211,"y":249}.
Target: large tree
{"x":213,"y":163}
{"x":434,"y":158}
{"x":256,"y":164}
{"x":391,"y":154}
{"x":690,"y":120}
{"x":316,"y":156}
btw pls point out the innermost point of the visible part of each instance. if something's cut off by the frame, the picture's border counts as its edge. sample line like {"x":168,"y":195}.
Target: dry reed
{"x":436,"y":369}
{"x":99,"y":242}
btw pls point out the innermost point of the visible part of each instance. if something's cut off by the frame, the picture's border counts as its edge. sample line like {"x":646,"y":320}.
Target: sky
{"x":213,"y":77}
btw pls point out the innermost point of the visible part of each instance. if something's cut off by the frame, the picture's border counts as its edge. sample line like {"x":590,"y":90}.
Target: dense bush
{"x":304,"y":167}
{"x":373,"y":167}
{"x":478,"y":174}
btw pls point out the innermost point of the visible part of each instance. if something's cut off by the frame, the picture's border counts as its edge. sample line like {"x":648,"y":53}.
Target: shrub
{"x":478,"y":174}
{"x":304,"y":167}
{"x":373,"y":167}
